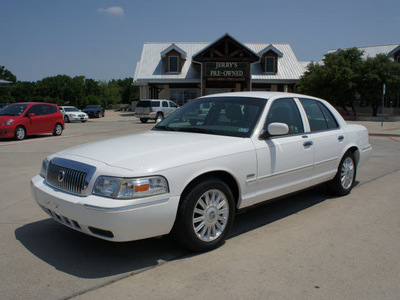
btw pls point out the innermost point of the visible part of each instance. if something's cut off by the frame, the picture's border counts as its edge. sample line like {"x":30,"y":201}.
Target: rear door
{"x":328,"y":139}
{"x":285,"y":163}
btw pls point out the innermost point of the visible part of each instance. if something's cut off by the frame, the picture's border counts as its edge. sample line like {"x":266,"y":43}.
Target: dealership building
{"x":184,"y":71}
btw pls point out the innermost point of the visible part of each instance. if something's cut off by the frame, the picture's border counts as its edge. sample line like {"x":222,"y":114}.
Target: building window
{"x":181,"y":96}
{"x":398,"y":58}
{"x":270,"y":64}
{"x":173,"y":64}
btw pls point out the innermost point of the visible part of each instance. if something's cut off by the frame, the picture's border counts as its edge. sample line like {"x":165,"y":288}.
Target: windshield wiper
{"x":162,"y":127}
{"x":197,"y":130}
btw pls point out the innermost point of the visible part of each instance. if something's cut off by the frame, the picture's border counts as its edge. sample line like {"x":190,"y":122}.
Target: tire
{"x":98,"y":114}
{"x":66,"y":119}
{"x":102,"y":114}
{"x":345,"y":177}
{"x":20,"y":133}
{"x":58,"y":129}
{"x":159,"y":117}
{"x":205,"y":216}
{"x":143,"y":120}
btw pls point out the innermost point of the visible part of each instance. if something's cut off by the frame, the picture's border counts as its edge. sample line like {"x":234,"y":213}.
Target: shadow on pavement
{"x":84,"y":256}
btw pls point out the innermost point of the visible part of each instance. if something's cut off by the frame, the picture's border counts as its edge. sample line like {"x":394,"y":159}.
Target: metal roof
{"x":151,"y":67}
{"x":372,"y":51}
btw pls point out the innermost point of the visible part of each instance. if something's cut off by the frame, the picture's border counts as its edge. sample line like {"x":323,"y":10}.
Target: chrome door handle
{"x":340,"y":138}
{"x":308,"y":144}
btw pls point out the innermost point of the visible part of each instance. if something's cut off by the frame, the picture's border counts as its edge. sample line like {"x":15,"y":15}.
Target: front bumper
{"x":109,"y":219}
{"x":78,"y":118}
{"x":7,"y":131}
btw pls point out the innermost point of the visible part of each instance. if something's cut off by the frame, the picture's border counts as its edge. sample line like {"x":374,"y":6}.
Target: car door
{"x":285,"y":163}
{"x":328,"y":138}
{"x":34,"y":119}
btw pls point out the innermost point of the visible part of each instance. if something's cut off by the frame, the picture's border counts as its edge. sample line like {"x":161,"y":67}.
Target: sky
{"x":103,"y":39}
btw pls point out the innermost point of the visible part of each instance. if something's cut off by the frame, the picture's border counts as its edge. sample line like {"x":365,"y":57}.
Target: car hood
{"x":154,"y":151}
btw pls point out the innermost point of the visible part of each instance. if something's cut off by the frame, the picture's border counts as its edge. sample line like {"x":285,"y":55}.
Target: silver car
{"x":71,"y":114}
{"x":154,"y":109}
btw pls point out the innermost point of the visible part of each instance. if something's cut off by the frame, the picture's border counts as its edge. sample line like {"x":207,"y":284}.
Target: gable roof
{"x":151,"y":67}
{"x":173,"y":47}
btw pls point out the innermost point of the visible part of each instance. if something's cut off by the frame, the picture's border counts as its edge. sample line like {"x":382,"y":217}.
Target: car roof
{"x":260,"y":94}
{"x":31,"y":103}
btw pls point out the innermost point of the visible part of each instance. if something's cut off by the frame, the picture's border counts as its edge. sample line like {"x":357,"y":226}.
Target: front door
{"x":285,"y":163}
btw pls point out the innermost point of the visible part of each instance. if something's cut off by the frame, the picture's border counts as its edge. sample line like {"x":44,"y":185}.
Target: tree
{"x":378,"y":71}
{"x":7,"y":75}
{"x":5,"y":93}
{"x":336,"y":80}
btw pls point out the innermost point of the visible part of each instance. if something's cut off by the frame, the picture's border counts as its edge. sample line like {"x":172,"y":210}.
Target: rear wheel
{"x":143,"y":120}
{"x":343,"y":182}
{"x":205,"y":216}
{"x":20,"y":133}
{"x":58,"y":129}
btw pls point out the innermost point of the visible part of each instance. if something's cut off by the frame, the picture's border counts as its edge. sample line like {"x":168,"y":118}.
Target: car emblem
{"x":61,"y":176}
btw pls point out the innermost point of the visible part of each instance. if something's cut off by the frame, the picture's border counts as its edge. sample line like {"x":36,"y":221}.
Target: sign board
{"x":226,"y":69}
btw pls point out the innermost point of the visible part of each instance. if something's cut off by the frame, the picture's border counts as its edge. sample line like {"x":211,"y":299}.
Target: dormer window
{"x":173,"y":64}
{"x":174,"y":58}
{"x":270,"y":64}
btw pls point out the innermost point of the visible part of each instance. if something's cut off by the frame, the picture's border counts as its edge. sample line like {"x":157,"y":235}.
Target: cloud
{"x":113,"y":10}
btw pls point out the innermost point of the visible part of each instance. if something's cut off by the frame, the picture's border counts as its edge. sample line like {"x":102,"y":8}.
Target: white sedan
{"x":192,"y":172}
{"x":71,"y":114}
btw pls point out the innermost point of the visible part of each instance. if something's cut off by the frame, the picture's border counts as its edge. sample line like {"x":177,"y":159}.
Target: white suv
{"x":154,"y":109}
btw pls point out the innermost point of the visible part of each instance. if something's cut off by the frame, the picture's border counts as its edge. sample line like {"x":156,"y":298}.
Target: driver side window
{"x":285,"y":111}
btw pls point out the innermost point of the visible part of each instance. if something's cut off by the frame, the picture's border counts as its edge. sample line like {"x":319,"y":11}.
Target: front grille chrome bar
{"x":69,"y":176}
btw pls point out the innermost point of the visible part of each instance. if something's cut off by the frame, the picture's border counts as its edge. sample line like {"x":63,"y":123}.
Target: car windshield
{"x":230,"y":116}
{"x":70,"y":109}
{"x":13,"y":110}
{"x":92,"y":107}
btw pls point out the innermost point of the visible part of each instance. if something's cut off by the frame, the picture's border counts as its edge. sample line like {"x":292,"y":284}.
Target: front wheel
{"x":20,"y":133}
{"x":143,"y":120}
{"x":66,"y":119}
{"x":205,"y":216}
{"x":343,"y":182}
{"x":159,"y":117}
{"x":58,"y":129}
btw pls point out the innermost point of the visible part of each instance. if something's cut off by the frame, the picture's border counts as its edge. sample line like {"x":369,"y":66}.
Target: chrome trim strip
{"x":284,"y":172}
{"x":123,"y":208}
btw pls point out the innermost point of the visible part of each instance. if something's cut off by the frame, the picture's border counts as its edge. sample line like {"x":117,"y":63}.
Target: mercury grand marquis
{"x":193,"y":171}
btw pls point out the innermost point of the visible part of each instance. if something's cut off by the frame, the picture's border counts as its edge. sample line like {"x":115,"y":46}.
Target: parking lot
{"x":306,"y":246}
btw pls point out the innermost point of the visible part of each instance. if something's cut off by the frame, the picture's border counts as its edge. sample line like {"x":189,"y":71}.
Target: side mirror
{"x":31,"y":115}
{"x":275,"y":129}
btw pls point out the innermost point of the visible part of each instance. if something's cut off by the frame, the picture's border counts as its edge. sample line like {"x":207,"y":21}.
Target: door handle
{"x":308,"y":144}
{"x":340,"y":138}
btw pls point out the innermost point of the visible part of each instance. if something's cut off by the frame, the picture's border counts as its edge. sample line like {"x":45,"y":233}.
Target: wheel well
{"x":224,"y":176}
{"x":356,"y":153}
{"x":26,"y":132}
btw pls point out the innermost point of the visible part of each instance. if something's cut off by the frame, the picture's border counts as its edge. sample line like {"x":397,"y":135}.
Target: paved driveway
{"x":308,"y":245}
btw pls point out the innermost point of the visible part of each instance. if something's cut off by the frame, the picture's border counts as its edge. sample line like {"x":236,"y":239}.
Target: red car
{"x":21,"y":119}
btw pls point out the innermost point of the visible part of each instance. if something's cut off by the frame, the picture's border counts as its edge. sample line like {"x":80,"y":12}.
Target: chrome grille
{"x":70,"y":176}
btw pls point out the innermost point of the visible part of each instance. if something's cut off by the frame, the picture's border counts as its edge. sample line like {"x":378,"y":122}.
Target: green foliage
{"x":336,"y":80}
{"x":64,"y":90}
{"x":345,"y":74}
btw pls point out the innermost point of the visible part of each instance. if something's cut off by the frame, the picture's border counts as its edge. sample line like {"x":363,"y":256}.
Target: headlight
{"x":8,"y":122}
{"x":43,"y":170}
{"x":130,"y":188}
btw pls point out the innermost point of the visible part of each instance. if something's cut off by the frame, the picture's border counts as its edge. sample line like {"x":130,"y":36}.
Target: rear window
{"x":143,"y":104}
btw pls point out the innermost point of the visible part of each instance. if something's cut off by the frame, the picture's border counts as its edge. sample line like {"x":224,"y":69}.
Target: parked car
{"x":71,"y":114}
{"x":21,"y":119}
{"x":190,"y":180}
{"x":154,"y":109}
{"x":94,"y":111}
